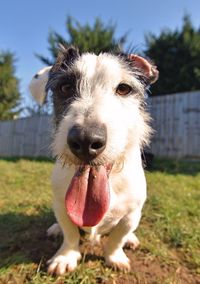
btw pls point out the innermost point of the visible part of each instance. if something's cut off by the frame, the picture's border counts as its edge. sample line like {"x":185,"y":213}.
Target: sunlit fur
{"x":128,"y":131}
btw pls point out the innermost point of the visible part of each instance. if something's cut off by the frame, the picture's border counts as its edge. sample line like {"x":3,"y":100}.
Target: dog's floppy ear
{"x":148,"y":69}
{"x":38,"y":84}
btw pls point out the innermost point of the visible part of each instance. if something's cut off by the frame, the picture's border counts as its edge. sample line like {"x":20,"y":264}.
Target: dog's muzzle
{"x":87,"y":143}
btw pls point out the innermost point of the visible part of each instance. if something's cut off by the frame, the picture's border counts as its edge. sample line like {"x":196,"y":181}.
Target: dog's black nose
{"x":87,"y":142}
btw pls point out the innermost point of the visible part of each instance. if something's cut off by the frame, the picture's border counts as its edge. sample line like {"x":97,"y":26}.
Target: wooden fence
{"x":26,"y":137}
{"x":176,"y":120}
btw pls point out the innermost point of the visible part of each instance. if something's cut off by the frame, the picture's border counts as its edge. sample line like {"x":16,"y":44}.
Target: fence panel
{"x":176,"y":120}
{"x":29,"y":137}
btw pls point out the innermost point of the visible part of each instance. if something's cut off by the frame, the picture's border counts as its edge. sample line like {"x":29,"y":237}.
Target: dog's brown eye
{"x":123,"y":89}
{"x":65,"y":88}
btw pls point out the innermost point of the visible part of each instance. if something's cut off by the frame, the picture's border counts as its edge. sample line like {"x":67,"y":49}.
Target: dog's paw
{"x":60,"y":264}
{"x":118,"y":260}
{"x":132,"y":241}
{"x":54,"y":230}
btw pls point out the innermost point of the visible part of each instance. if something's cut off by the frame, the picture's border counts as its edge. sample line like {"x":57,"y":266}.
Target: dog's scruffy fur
{"x":98,"y":95}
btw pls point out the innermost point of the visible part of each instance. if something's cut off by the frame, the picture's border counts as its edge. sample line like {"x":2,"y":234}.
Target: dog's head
{"x":98,"y":104}
{"x":100,"y":121}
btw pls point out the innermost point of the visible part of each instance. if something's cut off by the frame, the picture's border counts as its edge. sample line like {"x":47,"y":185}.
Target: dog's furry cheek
{"x":120,"y":119}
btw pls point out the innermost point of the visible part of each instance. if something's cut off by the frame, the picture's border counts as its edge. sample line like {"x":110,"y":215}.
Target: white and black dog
{"x":100,"y":128}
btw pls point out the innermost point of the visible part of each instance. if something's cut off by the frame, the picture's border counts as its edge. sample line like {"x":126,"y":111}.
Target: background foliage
{"x":9,"y":87}
{"x":97,"y":38}
{"x":177,"y":55}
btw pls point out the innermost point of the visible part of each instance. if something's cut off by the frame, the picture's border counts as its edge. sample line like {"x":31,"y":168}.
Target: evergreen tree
{"x":177,"y":56}
{"x":9,"y":87}
{"x":97,"y":38}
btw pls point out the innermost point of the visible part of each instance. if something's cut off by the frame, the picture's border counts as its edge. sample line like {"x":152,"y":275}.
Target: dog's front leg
{"x":114,"y":253}
{"x":68,"y":255}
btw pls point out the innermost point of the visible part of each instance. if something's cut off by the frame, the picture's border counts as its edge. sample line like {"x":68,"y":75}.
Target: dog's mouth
{"x":88,"y":196}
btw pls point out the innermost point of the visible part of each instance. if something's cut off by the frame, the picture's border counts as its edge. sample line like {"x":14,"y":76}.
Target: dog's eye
{"x":65,"y":88}
{"x":123,"y":89}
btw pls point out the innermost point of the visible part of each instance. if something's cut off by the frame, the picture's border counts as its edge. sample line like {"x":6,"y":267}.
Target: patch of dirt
{"x":145,"y":268}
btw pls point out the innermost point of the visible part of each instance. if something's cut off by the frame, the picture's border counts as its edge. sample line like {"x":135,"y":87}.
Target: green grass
{"x":169,"y":231}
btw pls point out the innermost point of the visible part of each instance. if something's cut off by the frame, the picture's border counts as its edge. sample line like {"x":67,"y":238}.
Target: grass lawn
{"x":169,"y":231}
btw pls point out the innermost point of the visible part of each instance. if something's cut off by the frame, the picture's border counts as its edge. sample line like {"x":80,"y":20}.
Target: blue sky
{"x":24,"y":24}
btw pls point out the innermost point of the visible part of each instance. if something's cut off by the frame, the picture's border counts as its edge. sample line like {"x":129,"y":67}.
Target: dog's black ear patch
{"x":69,"y":55}
{"x":63,"y":66}
{"x":66,"y":58}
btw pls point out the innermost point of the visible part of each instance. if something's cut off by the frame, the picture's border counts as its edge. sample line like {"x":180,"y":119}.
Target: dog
{"x":101,"y":127}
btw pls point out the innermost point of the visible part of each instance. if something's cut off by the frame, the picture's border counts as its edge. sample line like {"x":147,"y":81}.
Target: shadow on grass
{"x":23,"y":238}
{"x":174,"y":166}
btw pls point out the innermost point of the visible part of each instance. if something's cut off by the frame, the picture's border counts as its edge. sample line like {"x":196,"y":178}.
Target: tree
{"x":177,"y":55}
{"x":9,"y":87}
{"x":98,"y":38}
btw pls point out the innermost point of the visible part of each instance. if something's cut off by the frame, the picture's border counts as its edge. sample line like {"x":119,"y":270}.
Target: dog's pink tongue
{"x":88,"y":196}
